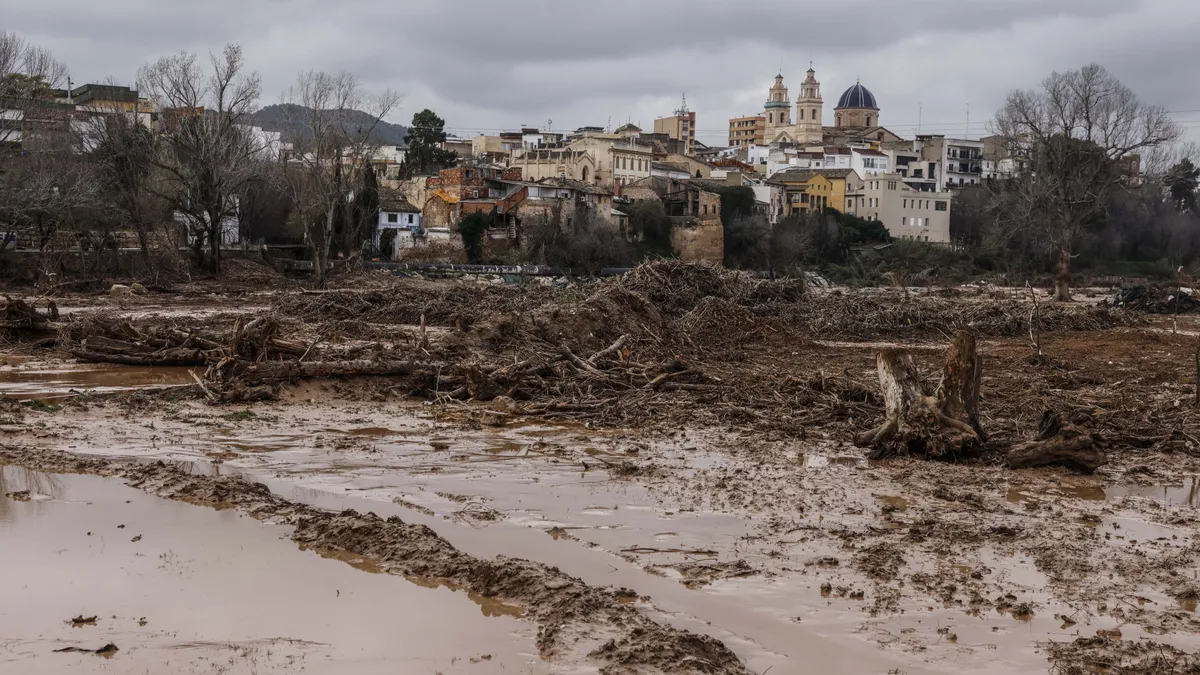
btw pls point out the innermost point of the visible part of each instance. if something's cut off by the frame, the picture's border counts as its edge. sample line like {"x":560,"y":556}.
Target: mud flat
{"x":176,"y":587}
{"x":660,"y":472}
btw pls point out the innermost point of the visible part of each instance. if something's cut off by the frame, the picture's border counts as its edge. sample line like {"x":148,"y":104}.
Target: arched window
{"x":839,"y":119}
{"x":814,"y":114}
{"x":868,"y":120}
{"x":771,"y":117}
{"x":585,"y":174}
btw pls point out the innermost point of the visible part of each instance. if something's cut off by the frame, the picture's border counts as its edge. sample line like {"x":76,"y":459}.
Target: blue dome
{"x":857,"y":96}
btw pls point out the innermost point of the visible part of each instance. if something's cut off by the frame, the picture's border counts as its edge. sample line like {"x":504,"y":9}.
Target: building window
{"x":814,"y":114}
{"x":391,"y":217}
{"x":474,"y":194}
{"x":410,"y":219}
{"x":470,"y":174}
{"x":939,"y":206}
{"x":906,"y":203}
{"x":904,"y":221}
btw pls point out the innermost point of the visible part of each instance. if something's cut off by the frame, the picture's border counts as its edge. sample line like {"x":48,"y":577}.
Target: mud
{"x":577,"y":623}
{"x":731,"y":506}
{"x":197,"y":590}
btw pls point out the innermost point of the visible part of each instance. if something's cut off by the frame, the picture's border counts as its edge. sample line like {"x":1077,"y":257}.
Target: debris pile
{"x":1169,"y":299}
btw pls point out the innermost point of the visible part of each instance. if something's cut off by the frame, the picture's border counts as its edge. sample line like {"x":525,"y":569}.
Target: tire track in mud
{"x":576,"y":622}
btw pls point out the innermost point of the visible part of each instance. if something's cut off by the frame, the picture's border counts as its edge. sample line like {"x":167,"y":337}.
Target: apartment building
{"x":905,"y":212}
{"x":747,"y":131}
{"x":960,"y":159}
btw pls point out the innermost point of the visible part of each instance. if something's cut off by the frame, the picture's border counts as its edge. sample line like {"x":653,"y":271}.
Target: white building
{"x":403,"y":221}
{"x":960,"y":160}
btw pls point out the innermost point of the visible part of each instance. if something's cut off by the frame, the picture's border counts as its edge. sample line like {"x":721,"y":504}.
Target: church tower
{"x":778,"y":109}
{"x":810,"y":110}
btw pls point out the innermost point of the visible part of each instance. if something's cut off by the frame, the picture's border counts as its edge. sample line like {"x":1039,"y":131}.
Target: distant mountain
{"x":288,"y":118}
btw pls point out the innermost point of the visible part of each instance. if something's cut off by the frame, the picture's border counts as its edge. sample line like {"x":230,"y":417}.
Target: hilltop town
{"x":299,"y":388}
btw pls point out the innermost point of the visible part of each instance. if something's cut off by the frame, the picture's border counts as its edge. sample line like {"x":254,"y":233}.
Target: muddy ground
{"x":695,"y":504}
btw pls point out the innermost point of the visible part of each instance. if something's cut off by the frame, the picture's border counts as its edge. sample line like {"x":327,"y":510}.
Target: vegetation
{"x":1074,"y":132}
{"x":473,"y":228}
{"x":425,"y":153}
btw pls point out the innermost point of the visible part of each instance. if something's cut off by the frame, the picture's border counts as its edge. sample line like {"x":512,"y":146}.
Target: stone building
{"x":806,"y":127}
{"x":697,"y":231}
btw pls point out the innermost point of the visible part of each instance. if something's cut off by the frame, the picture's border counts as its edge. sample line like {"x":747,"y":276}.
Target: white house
{"x":398,"y":227}
{"x":869,"y":162}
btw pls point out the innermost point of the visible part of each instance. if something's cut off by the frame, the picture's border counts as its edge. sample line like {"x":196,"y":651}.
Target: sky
{"x":492,"y":65}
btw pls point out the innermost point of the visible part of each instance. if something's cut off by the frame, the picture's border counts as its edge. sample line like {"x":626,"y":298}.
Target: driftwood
{"x":944,"y":425}
{"x":1059,"y":444}
{"x":166,"y":357}
{"x":287,"y":370}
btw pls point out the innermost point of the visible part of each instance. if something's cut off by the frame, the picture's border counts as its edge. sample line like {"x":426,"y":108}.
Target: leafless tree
{"x":1075,"y":131}
{"x":330,"y":159}
{"x":208,"y":154}
{"x":45,"y":185}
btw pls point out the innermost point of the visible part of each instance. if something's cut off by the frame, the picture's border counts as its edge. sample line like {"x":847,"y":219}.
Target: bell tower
{"x":810,"y":109}
{"x":778,"y":109}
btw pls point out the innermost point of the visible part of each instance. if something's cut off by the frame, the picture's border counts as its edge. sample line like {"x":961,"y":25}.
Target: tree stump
{"x":1059,"y":444}
{"x":944,"y":425}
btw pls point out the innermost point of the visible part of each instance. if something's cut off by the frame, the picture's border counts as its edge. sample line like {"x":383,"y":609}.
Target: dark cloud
{"x":486,"y":64}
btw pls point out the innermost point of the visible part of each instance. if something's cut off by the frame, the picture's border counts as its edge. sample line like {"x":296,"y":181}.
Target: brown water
{"x":49,"y":383}
{"x":205,"y":591}
{"x":1184,"y":493}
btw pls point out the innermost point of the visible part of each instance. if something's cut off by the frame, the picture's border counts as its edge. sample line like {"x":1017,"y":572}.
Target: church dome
{"x":857,"y":96}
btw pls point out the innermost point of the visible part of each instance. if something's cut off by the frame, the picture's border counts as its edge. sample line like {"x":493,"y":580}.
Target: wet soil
{"x":737,"y":511}
{"x":185,"y":589}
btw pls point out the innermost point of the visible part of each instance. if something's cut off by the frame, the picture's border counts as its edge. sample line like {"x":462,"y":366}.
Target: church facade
{"x":856,"y":109}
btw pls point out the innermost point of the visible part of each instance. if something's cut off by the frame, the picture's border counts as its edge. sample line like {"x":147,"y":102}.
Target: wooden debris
{"x":944,"y":425}
{"x":1059,"y":444}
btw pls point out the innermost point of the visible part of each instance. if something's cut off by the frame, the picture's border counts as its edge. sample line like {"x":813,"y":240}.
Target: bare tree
{"x":45,"y":185}
{"x":208,"y":156}
{"x":1075,"y":131}
{"x":333,"y":155}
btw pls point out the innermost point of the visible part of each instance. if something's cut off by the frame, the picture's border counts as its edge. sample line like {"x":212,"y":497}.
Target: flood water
{"x":185,"y":589}
{"x":47,"y":384}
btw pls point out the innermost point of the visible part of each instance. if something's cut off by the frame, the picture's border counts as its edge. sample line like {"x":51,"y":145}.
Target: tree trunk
{"x":268,"y":371}
{"x":1062,"y":279}
{"x":1059,"y":444}
{"x":942,"y":426}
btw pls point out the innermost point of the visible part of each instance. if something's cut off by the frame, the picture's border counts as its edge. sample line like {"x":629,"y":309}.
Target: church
{"x":856,"y":111}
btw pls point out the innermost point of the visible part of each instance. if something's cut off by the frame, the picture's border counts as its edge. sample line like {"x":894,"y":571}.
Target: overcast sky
{"x":487,"y":65}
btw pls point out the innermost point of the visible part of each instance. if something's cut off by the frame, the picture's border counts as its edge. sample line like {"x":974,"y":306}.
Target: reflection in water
{"x":50,"y":384}
{"x":1186,"y":493}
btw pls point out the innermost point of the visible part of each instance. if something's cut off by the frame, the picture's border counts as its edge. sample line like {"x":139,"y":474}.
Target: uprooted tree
{"x":942,"y":425}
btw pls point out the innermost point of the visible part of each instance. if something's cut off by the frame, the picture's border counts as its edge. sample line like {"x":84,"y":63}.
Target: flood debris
{"x":81,"y":620}
{"x":107,"y":651}
{"x":944,"y":425}
{"x":1060,"y":444}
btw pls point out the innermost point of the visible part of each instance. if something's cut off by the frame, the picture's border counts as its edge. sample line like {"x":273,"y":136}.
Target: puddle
{"x":54,"y":383}
{"x":1186,"y":493}
{"x":822,"y":461}
{"x":895,"y":503}
{"x":203,"y":591}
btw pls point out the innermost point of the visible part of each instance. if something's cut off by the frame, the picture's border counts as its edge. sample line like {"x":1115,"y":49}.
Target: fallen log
{"x":287,"y":370}
{"x":167,"y":357}
{"x":1059,"y":444}
{"x":944,"y":425}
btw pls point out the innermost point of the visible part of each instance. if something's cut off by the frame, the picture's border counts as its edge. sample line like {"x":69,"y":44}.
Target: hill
{"x":288,"y":119}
